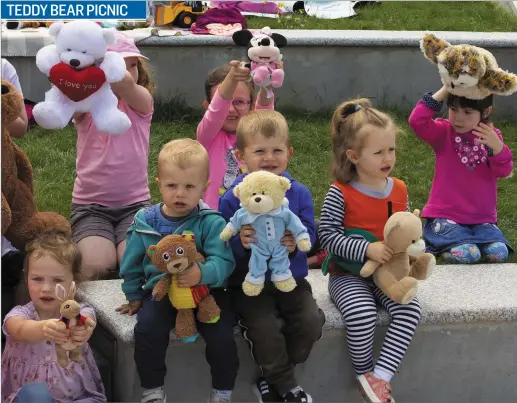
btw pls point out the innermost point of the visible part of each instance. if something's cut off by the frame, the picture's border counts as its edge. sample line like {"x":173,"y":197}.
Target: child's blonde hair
{"x":217,"y":76}
{"x":59,"y":247}
{"x":184,"y":153}
{"x":348,"y":123}
{"x":268,"y":123}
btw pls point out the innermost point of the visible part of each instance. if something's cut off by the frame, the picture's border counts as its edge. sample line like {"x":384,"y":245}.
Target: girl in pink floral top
{"x":30,"y":372}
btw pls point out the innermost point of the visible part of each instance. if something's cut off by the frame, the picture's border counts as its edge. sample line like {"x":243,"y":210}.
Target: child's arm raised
{"x":217,"y":111}
{"x":421,"y":120}
{"x":136,"y":96}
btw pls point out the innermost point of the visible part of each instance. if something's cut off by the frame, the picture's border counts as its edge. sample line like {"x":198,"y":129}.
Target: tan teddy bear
{"x":172,"y":255}
{"x":398,"y":277}
{"x":265,"y":208}
{"x":21,"y":221}
{"x":468,"y":71}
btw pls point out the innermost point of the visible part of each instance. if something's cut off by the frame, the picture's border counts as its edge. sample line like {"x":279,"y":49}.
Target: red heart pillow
{"x":77,"y":84}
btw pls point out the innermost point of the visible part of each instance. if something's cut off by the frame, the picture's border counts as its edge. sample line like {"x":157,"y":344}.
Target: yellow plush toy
{"x":172,"y":255}
{"x":468,"y":71}
{"x":397,"y":278}
{"x":265,"y":208}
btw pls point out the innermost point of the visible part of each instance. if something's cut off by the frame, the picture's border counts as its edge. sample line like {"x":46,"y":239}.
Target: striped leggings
{"x":356,"y":300}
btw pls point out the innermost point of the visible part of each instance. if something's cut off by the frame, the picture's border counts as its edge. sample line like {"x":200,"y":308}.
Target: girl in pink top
{"x":230,"y":96}
{"x":470,"y":155}
{"x":111,"y":171}
{"x":30,"y":372}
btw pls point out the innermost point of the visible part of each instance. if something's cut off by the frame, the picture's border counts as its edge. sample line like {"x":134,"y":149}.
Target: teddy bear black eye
{"x":67,"y":306}
{"x":180,"y":251}
{"x":254,"y":194}
{"x":263,"y":193}
{"x":166,"y":257}
{"x":413,"y":241}
{"x":69,"y":50}
{"x":84,"y":51}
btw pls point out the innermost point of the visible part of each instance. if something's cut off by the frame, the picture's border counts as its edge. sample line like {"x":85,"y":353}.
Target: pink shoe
{"x":374,"y":390}
{"x":277,"y":78}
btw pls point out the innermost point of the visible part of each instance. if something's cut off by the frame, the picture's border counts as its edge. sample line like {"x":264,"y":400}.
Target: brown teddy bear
{"x":28,"y":24}
{"x":21,"y":221}
{"x":467,"y":71}
{"x":172,"y":255}
{"x":398,"y":277}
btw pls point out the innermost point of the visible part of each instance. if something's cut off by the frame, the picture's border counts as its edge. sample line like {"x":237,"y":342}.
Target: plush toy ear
{"x":242,"y":37}
{"x":151,"y":250}
{"x":285,"y":183}
{"x":389,"y":228}
{"x":72,"y":291}
{"x":236,"y":191}
{"x":60,"y":292}
{"x":109,"y":35}
{"x":416,"y":213}
{"x":280,"y":40}
{"x":499,"y":82}
{"x":432,"y":46}
{"x":55,"y":28}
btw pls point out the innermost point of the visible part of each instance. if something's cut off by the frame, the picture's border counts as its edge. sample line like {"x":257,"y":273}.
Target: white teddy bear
{"x":81,"y":71}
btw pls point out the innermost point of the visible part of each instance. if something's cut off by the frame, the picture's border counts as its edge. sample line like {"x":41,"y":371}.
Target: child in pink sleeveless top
{"x":111,"y":171}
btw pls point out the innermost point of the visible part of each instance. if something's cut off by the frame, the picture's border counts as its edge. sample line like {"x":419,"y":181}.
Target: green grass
{"x":475,"y":16}
{"x":53,"y":158}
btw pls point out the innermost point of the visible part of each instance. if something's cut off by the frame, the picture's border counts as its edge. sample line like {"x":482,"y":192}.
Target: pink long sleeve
{"x":432,"y":131}
{"x":213,"y":119}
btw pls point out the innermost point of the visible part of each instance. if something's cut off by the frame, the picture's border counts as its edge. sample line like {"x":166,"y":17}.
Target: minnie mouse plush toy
{"x":264,"y":54}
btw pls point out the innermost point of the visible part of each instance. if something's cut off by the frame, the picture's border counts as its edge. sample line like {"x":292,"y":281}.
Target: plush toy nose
{"x":5,"y":89}
{"x":74,"y":63}
{"x":264,"y":42}
{"x":257,"y":199}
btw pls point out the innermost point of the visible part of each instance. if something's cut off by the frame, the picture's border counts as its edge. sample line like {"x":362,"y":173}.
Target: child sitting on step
{"x":30,"y":371}
{"x":353,"y":217}
{"x":263,"y":144}
{"x":461,"y":212}
{"x":182,"y":179}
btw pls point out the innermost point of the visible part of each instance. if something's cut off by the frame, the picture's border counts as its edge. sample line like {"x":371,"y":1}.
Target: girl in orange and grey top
{"x":353,"y":216}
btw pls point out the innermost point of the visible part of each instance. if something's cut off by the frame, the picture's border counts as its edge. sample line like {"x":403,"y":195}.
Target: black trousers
{"x":154,"y":323}
{"x":12,"y":274}
{"x":275,"y":346}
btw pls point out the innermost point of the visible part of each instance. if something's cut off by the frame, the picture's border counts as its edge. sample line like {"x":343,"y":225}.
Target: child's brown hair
{"x":58,"y":246}
{"x":217,"y":76}
{"x":144,"y":76}
{"x":348,"y":123}
{"x":268,"y":123}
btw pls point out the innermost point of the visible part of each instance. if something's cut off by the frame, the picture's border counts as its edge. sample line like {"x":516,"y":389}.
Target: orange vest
{"x":369,"y":213}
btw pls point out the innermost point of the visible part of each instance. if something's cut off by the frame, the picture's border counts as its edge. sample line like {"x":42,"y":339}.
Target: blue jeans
{"x":35,"y":392}
{"x":465,"y":243}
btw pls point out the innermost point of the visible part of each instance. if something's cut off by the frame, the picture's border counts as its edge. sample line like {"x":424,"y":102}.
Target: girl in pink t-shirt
{"x":111,"y":182}
{"x":461,"y":212}
{"x":30,"y":371}
{"x":230,"y":95}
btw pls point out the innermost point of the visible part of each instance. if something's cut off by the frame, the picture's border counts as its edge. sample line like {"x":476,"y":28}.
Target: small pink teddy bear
{"x":264,"y":54}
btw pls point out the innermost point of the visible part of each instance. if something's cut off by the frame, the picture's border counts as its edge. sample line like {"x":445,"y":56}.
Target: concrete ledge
{"x":468,"y":329}
{"x":323,"y":68}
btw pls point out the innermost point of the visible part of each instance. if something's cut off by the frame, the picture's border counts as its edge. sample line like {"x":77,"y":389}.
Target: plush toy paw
{"x":226,"y":234}
{"x":304,"y":245}
{"x":252,"y":290}
{"x":277,"y":78}
{"x":113,"y":122}
{"x":286,"y":285}
{"x":48,"y":116}
{"x":409,"y":287}
{"x":46,"y":58}
{"x":114,"y":67}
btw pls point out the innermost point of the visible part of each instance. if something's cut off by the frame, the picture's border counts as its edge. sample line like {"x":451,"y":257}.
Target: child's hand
{"x":238,"y":72}
{"x":246,"y":236}
{"x":280,"y":65}
{"x":379,"y":252}
{"x":487,"y":136}
{"x":289,"y":241}
{"x":130,"y":308}
{"x":81,"y":334}
{"x":53,"y":331}
{"x":190,"y":278}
